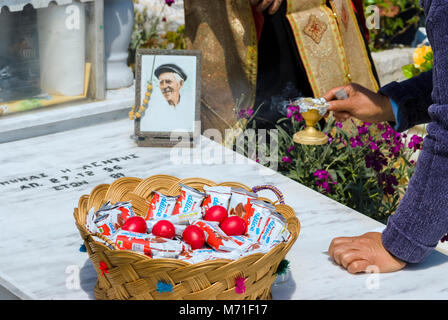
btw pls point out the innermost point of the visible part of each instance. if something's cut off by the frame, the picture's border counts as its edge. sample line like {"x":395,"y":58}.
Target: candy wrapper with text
{"x":216,"y":196}
{"x":239,"y":198}
{"x":256,"y":215}
{"x":161,"y":206}
{"x":111,"y":217}
{"x":150,"y":245}
{"x":190,"y":200}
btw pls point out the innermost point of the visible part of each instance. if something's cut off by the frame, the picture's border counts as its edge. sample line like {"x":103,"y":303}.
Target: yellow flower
{"x":419,"y":54}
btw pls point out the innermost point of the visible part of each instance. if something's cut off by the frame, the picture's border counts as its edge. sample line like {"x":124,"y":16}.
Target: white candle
{"x":62,"y":46}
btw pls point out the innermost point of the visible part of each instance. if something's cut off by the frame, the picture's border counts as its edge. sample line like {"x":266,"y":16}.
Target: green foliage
{"x":410,"y":71}
{"x":396,"y":17}
{"x":366,"y":170}
{"x":423,"y":62}
{"x":147,"y":34}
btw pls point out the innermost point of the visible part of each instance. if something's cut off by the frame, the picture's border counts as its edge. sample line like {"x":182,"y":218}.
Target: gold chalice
{"x":312,"y":111}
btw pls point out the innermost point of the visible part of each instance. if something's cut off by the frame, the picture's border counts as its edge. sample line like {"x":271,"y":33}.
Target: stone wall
{"x":388,"y":64}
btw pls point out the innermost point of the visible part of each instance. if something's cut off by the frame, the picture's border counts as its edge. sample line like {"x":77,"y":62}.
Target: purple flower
{"x":324,"y":180}
{"x":387,"y":182}
{"x":373,"y":146}
{"x":375,"y":160}
{"x":291,"y":148}
{"x":291,"y":110}
{"x":330,"y":137}
{"x":322,"y":174}
{"x":169,"y":2}
{"x":388,"y":133}
{"x":395,"y":150}
{"x":245,"y":114}
{"x":287,"y":160}
{"x":394,"y":140}
{"x":363,"y":130}
{"x":416,"y":142}
{"x":338,"y":124}
{"x":324,"y":185}
{"x":356,"y":142}
{"x":298,"y":117}
{"x":294,"y":111}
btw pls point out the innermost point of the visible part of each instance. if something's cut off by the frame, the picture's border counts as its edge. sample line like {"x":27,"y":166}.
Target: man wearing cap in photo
{"x":171,"y":79}
{"x":173,"y":107}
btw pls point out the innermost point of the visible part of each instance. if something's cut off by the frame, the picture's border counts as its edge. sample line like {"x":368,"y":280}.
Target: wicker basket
{"x":124,"y":274}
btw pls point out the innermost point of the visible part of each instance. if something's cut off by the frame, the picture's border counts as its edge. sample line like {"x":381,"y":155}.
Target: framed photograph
{"x":168,"y":91}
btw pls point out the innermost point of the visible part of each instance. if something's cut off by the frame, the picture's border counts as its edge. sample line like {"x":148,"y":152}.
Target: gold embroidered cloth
{"x":329,"y":41}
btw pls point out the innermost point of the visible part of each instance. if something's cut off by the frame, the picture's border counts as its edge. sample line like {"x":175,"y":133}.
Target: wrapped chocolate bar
{"x":111,"y":217}
{"x":257,"y":247}
{"x":216,"y":196}
{"x":239,"y":198}
{"x":161,"y":206}
{"x":90,"y":221}
{"x":189,"y":200}
{"x":207,"y":254}
{"x":153,"y":246}
{"x":185,"y":218}
{"x":275,"y":229}
{"x":251,"y":246}
{"x":197,"y":255}
{"x":216,"y":238}
{"x":230,"y":255}
{"x":256,"y":215}
{"x":179,"y":230}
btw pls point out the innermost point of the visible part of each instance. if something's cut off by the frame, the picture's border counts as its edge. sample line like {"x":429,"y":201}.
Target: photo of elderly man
{"x":171,"y":79}
{"x":172,"y":104}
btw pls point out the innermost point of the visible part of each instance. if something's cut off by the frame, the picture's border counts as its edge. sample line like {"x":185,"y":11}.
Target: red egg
{"x":164,"y":229}
{"x":194,"y":236}
{"x":135,"y":224}
{"x":216,"y":213}
{"x":233,"y":226}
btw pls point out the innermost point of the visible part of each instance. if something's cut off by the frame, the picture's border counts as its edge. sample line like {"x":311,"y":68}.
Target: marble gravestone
{"x":43,"y":178}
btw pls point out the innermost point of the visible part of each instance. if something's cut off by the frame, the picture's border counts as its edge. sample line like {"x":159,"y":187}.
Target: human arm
{"x":262,"y":5}
{"x":421,"y":219}
{"x":412,"y":98}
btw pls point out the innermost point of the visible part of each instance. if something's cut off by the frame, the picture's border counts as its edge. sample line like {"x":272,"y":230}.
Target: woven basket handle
{"x":278,"y":193}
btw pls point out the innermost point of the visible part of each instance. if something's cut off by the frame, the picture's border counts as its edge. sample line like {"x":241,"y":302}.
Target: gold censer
{"x":312,"y":111}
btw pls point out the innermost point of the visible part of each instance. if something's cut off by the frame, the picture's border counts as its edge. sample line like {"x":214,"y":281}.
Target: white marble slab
{"x":39,"y":243}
